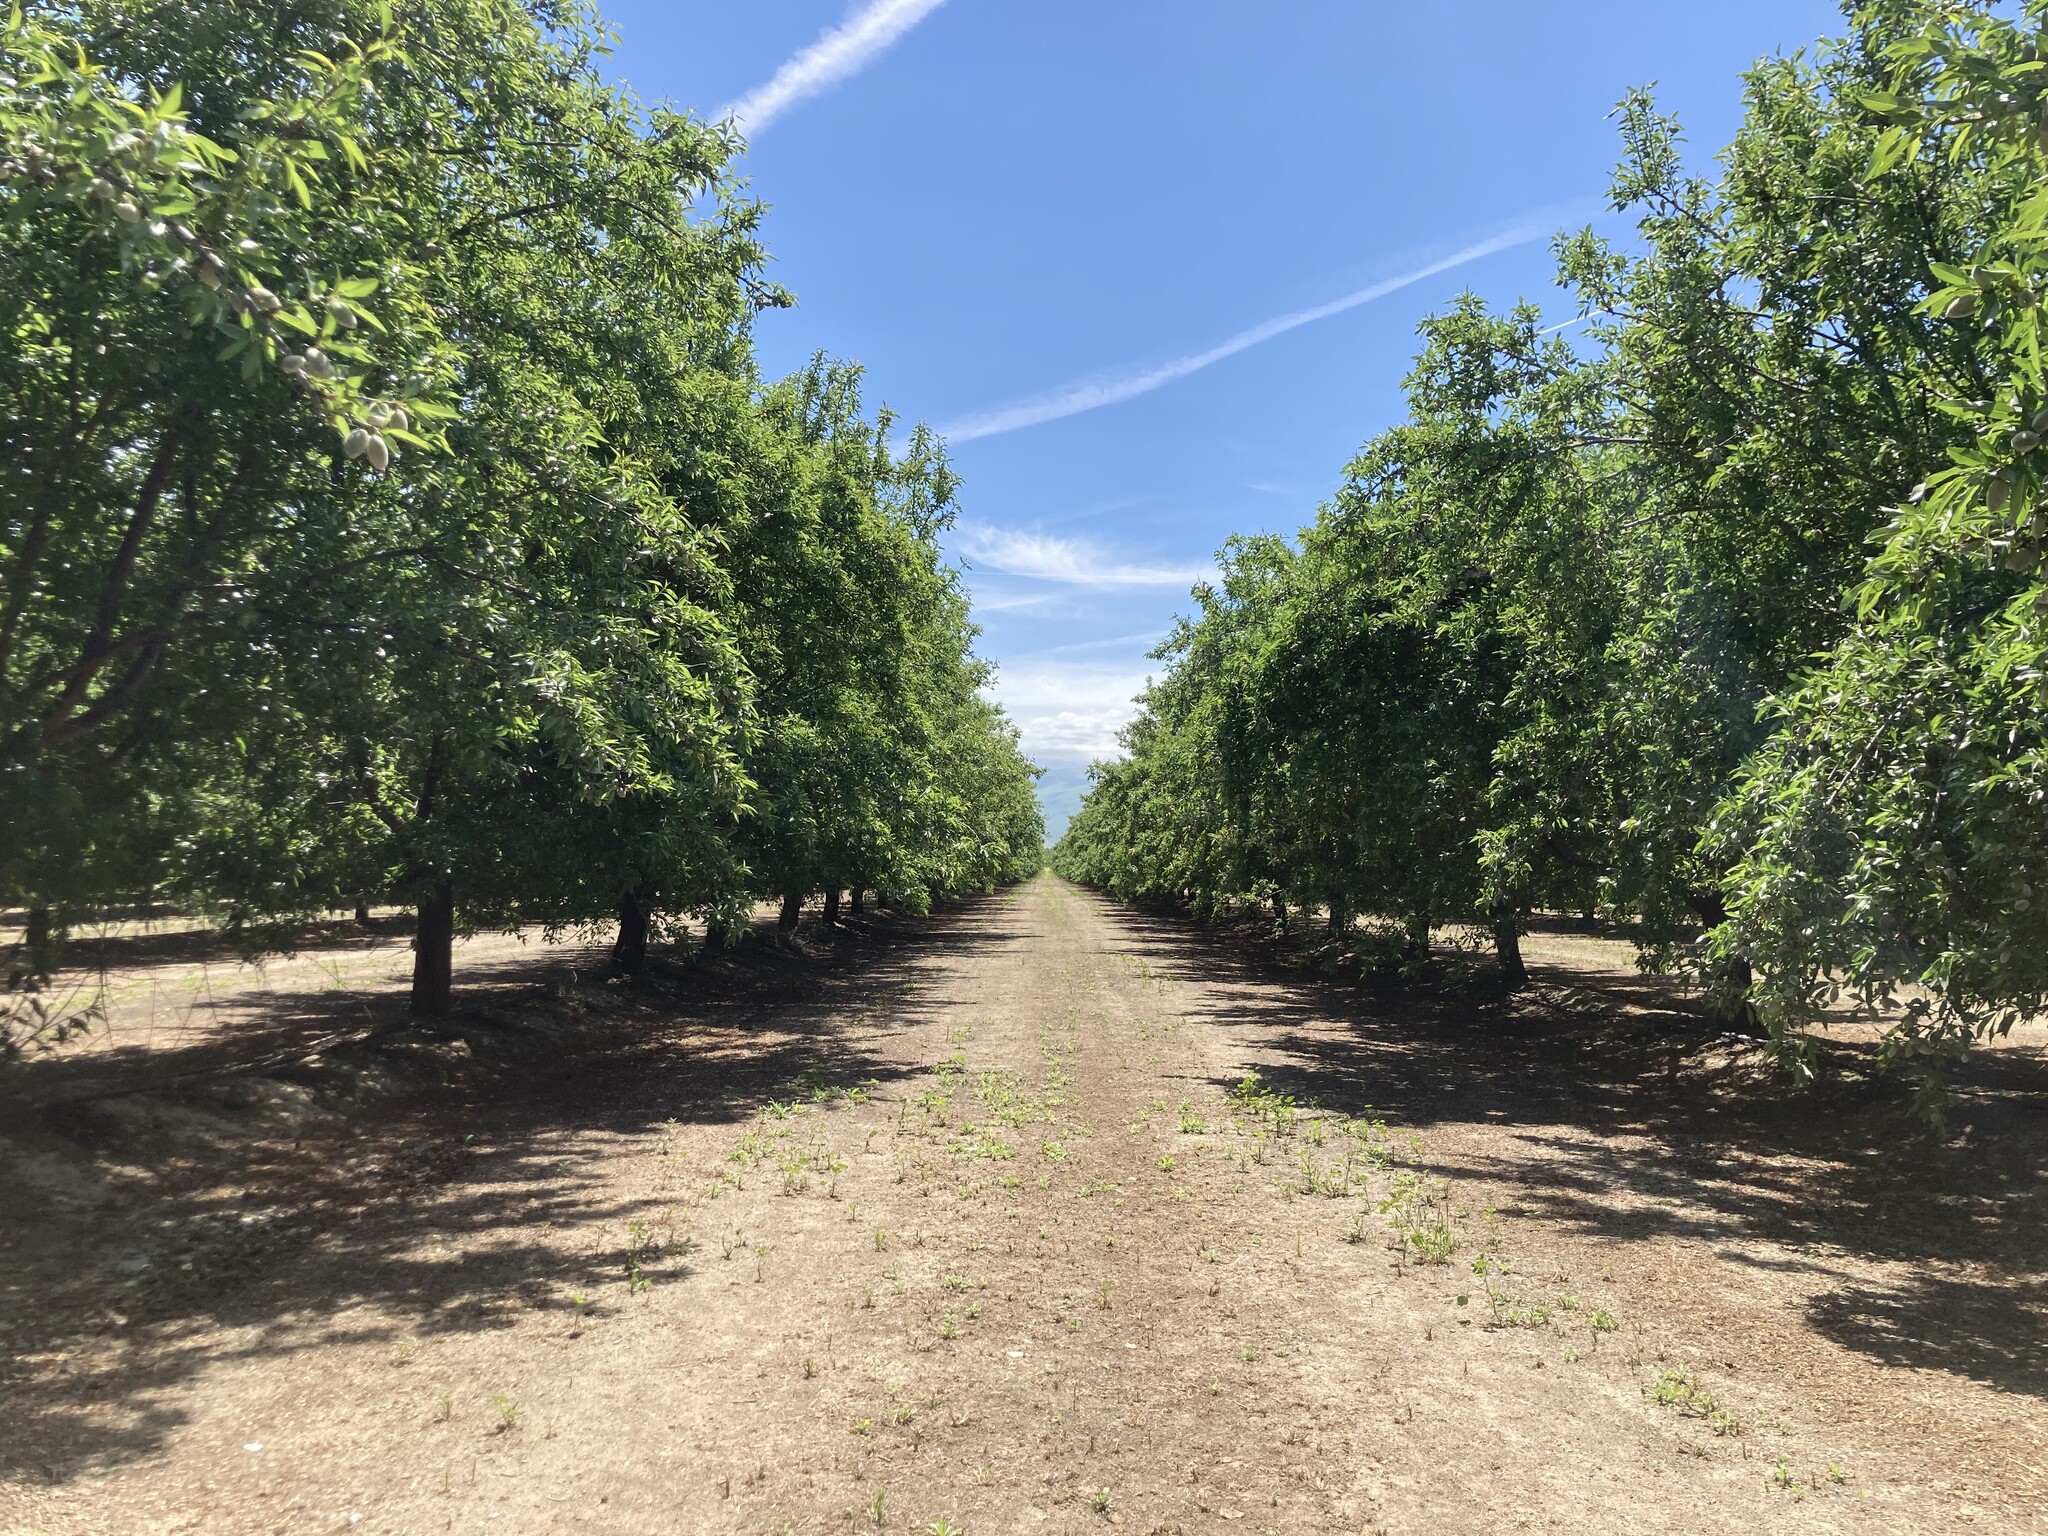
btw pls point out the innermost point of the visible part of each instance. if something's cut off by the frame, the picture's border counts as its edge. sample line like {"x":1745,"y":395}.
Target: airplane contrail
{"x":1096,"y":394}
{"x":841,"y":51}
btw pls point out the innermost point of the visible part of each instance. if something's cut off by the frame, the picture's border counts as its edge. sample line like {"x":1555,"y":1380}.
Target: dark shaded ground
{"x":1687,"y":1135}
{"x":232,"y":1195}
{"x":270,"y":1204}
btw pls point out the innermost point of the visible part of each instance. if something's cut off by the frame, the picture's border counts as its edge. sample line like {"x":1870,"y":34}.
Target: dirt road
{"x":1052,"y":1219}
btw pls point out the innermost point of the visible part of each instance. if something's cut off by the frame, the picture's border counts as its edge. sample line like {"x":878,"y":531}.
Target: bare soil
{"x":977,"y":1220}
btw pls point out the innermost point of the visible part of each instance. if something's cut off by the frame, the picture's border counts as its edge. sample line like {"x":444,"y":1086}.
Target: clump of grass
{"x":1509,"y":1313}
{"x":824,"y":1095}
{"x":1419,"y":1211}
{"x":508,"y":1412}
{"x":1334,"y":1181}
{"x":1680,"y":1390}
{"x":973,"y":1143}
{"x":638,"y":1250}
{"x":1255,"y":1101}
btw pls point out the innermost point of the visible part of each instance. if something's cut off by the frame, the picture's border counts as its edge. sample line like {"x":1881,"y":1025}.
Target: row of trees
{"x":1729,"y":622}
{"x":393,"y":508}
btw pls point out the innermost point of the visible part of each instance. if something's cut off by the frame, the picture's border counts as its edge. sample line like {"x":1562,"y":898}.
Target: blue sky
{"x":1157,"y":265}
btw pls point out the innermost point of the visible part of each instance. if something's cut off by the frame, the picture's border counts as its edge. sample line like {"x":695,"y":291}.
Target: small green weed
{"x":1419,"y":1211}
{"x":1678,"y":1389}
{"x":1257,"y":1102}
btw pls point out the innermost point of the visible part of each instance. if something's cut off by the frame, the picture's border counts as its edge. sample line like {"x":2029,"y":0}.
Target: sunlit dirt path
{"x":1051,"y":1219}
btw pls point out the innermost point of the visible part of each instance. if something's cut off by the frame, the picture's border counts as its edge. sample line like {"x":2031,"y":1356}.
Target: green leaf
{"x":1893,"y":146}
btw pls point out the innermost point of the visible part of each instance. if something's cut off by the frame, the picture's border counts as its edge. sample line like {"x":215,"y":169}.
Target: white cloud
{"x":1068,"y":562}
{"x":1094,"y":395}
{"x":1069,"y":711}
{"x":839,"y":52}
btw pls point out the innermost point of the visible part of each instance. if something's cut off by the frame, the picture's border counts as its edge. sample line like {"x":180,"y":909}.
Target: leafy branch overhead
{"x":232,"y":233}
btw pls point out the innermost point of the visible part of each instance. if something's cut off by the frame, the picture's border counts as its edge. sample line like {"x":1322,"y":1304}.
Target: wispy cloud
{"x":1069,"y":562}
{"x":1010,"y":602}
{"x":1098,"y":393}
{"x":1070,"y":711}
{"x":1142,"y":644}
{"x":844,"y":50}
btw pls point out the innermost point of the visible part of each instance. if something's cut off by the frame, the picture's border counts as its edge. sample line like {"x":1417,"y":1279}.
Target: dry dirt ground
{"x":1046,"y":1216}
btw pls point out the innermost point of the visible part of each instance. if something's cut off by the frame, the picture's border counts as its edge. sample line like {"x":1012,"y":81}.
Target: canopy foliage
{"x":394,"y":508}
{"x":1726,"y":618}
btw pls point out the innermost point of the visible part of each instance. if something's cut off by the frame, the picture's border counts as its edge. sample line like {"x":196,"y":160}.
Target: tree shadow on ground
{"x":1631,"y":1117}
{"x":443,"y":1211}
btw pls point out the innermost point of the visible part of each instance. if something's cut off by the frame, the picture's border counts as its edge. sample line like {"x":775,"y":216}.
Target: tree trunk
{"x":1279,"y":909}
{"x":832,"y":907}
{"x":792,"y":909}
{"x":1415,"y":947}
{"x":1732,"y":1008}
{"x":1507,"y":944}
{"x":629,"y":949}
{"x":1730,"y":983}
{"x":362,"y":911}
{"x":859,"y":900}
{"x":37,"y":938}
{"x":433,"y":952}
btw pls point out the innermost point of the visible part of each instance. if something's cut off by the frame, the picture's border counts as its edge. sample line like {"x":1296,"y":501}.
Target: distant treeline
{"x":391,"y":508}
{"x":1726,"y":619}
